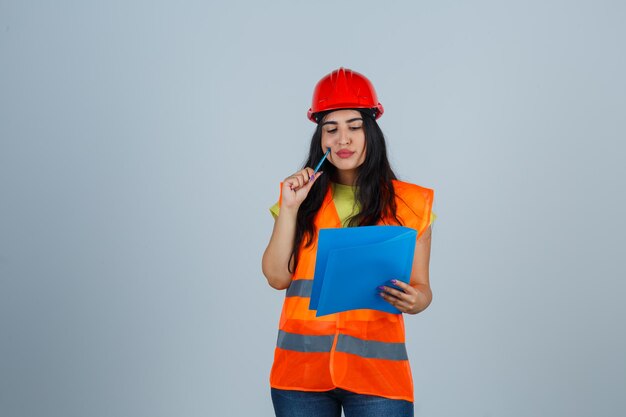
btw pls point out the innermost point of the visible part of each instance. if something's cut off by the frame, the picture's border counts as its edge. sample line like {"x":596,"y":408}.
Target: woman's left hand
{"x":410,"y":300}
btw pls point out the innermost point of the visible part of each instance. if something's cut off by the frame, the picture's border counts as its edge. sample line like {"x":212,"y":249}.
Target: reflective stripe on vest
{"x":347,"y":344}
{"x":300,"y":288}
{"x":371,"y":349}
{"x":304,"y":343}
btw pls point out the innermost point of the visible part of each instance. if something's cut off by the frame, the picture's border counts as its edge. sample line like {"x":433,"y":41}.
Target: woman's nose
{"x":344,"y":138}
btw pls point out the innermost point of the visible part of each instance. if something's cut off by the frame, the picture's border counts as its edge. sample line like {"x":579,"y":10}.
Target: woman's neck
{"x":346,"y":177}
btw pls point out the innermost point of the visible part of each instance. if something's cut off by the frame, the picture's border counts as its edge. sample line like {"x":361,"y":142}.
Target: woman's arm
{"x":277,"y":256}
{"x":417,"y":296}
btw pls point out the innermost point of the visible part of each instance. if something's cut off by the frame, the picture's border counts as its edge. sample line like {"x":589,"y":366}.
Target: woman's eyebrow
{"x":347,"y":121}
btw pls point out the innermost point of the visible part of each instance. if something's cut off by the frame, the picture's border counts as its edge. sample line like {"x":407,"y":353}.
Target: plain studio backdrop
{"x":142,"y":143}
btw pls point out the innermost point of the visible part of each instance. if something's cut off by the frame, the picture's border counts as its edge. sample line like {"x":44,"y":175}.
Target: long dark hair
{"x":374,"y":195}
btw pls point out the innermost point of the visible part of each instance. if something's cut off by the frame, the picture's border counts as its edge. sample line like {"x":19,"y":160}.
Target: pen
{"x":317,"y":168}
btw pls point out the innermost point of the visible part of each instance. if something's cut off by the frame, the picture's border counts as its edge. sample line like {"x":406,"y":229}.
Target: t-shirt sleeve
{"x":274,"y":210}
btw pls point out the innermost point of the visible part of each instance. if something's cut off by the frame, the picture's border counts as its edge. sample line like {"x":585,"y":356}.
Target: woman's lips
{"x":344,"y":154}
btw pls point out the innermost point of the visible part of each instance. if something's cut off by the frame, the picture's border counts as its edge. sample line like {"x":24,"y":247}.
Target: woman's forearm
{"x":277,"y":255}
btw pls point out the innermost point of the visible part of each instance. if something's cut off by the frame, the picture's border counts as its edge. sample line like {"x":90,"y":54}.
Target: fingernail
{"x":311,"y":177}
{"x":382,"y":294}
{"x":394,"y":281}
{"x":381,"y":288}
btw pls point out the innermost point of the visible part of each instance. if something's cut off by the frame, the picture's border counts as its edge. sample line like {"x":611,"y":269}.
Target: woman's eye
{"x":355,"y":127}
{"x":331,"y":130}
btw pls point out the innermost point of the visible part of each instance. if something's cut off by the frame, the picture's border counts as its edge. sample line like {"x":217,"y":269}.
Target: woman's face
{"x":342,"y":132}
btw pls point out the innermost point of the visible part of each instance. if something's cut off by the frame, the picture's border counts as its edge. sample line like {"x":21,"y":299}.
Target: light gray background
{"x":141,"y":144}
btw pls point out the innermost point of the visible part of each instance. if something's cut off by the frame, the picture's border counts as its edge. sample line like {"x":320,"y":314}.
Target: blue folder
{"x":353,"y":262}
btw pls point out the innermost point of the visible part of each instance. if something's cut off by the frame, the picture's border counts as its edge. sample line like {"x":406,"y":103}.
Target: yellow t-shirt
{"x":345,"y":203}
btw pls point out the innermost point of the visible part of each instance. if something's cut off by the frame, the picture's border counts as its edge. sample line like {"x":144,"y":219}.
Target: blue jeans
{"x":289,"y":403}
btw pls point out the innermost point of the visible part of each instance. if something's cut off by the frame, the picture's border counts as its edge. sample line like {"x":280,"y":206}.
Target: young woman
{"x":355,"y":360}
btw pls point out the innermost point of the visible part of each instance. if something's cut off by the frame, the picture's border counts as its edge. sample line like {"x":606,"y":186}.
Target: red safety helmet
{"x":344,"y":89}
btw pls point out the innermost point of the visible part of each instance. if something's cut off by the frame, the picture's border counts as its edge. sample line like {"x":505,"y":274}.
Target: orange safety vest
{"x":361,"y":351}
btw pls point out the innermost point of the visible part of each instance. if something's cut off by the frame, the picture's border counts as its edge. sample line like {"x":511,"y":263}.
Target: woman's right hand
{"x":296,"y":187}
{"x":277,"y":259}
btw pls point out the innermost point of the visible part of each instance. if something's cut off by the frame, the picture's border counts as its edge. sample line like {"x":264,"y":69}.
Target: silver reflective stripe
{"x":304,"y":343}
{"x":371,"y":349}
{"x":300,"y":288}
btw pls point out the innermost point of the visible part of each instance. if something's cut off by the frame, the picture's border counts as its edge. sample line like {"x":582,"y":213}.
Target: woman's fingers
{"x":404,"y":286}
{"x":313,"y":178}
{"x":398,"y":303}
{"x":296,"y":181}
{"x":402,"y":300}
{"x":293,"y":182}
{"x":305,"y":176}
{"x":392,"y":296}
{"x":296,"y":187}
{"x":300,"y":178}
{"x":406,"y":292}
